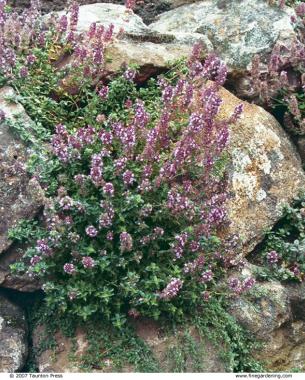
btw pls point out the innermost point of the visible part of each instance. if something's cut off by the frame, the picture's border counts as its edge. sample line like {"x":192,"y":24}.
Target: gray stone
{"x":237,"y":29}
{"x":178,"y":3}
{"x":106,"y":14}
{"x":13,"y":337}
{"x":20,"y":197}
{"x":136,"y":44}
{"x":296,"y":293}
{"x":265,"y":171}
{"x":264,"y":310}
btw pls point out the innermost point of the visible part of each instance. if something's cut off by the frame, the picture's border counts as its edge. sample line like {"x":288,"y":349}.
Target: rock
{"x":13,"y":337}
{"x":66,"y":355}
{"x":57,"y":360}
{"x":161,"y":344}
{"x":151,"y":57}
{"x":178,"y":3}
{"x":284,"y":350}
{"x":274,"y":314}
{"x":296,"y":293}
{"x":263,"y":312}
{"x":20,"y":198}
{"x":301,"y":147}
{"x":265,"y":172}
{"x":106,"y":14}
{"x":237,"y":29}
{"x":60,"y":360}
{"x":138,"y":45}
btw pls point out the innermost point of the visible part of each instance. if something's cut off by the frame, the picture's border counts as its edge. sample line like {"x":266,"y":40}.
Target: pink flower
{"x":91,"y":231}
{"x":172,"y":289}
{"x":126,"y":242}
{"x":88,"y":262}
{"x":69,"y":268}
{"x":128,"y":177}
{"x":108,"y":189}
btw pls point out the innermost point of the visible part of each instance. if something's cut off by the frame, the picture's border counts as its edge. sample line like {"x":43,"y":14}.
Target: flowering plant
{"x":284,"y":246}
{"x":134,"y":179}
{"x":280,"y":83}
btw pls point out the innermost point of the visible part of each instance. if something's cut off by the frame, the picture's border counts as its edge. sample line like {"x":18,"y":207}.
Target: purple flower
{"x":66,"y":203}
{"x":106,"y":137}
{"x":120,"y":164}
{"x":80,"y":179}
{"x":30,"y":59}
{"x":194,"y":265}
{"x":126,"y":242}
{"x":129,"y":75}
{"x":108,"y":189}
{"x":88,"y":262}
{"x":62,"y":24}
{"x":172,"y":289}
{"x":24,"y":72}
{"x":69,"y":268}
{"x":109,"y":235}
{"x":130,"y":4}
{"x":43,"y":247}
{"x":96,"y":171}
{"x":128,"y":177}
{"x":106,"y":219}
{"x":2,"y":116}
{"x":158,"y":231}
{"x":179,"y":245}
{"x":206,"y":276}
{"x":237,"y":113}
{"x":103,"y":93}
{"x":300,"y":9}
{"x":74,"y":13}
{"x":167,"y":94}
{"x":91,"y":231}
{"x":248,"y":283}
{"x":141,"y":116}
{"x":35,"y":259}
{"x":272,"y":257}
{"x":235,"y":285}
{"x":196,"y":51}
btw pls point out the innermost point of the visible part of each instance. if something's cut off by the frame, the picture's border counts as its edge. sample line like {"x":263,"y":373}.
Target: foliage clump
{"x":134,"y":177}
{"x":281,"y":253}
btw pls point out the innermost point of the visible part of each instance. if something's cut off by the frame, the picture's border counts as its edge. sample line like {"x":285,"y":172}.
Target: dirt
{"x":147,"y":9}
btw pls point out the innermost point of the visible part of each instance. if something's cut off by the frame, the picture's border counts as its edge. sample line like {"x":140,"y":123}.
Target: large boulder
{"x":284,"y":348}
{"x":106,"y":14}
{"x":20,"y":197}
{"x":237,"y":29}
{"x":263,"y":312}
{"x":134,"y":42}
{"x":265,"y":171}
{"x":13,"y":337}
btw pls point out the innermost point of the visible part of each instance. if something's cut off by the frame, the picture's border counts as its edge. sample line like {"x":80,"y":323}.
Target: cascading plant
{"x":135,"y":178}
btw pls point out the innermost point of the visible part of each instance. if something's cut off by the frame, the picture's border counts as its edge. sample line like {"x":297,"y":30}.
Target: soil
{"x":147,"y":9}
